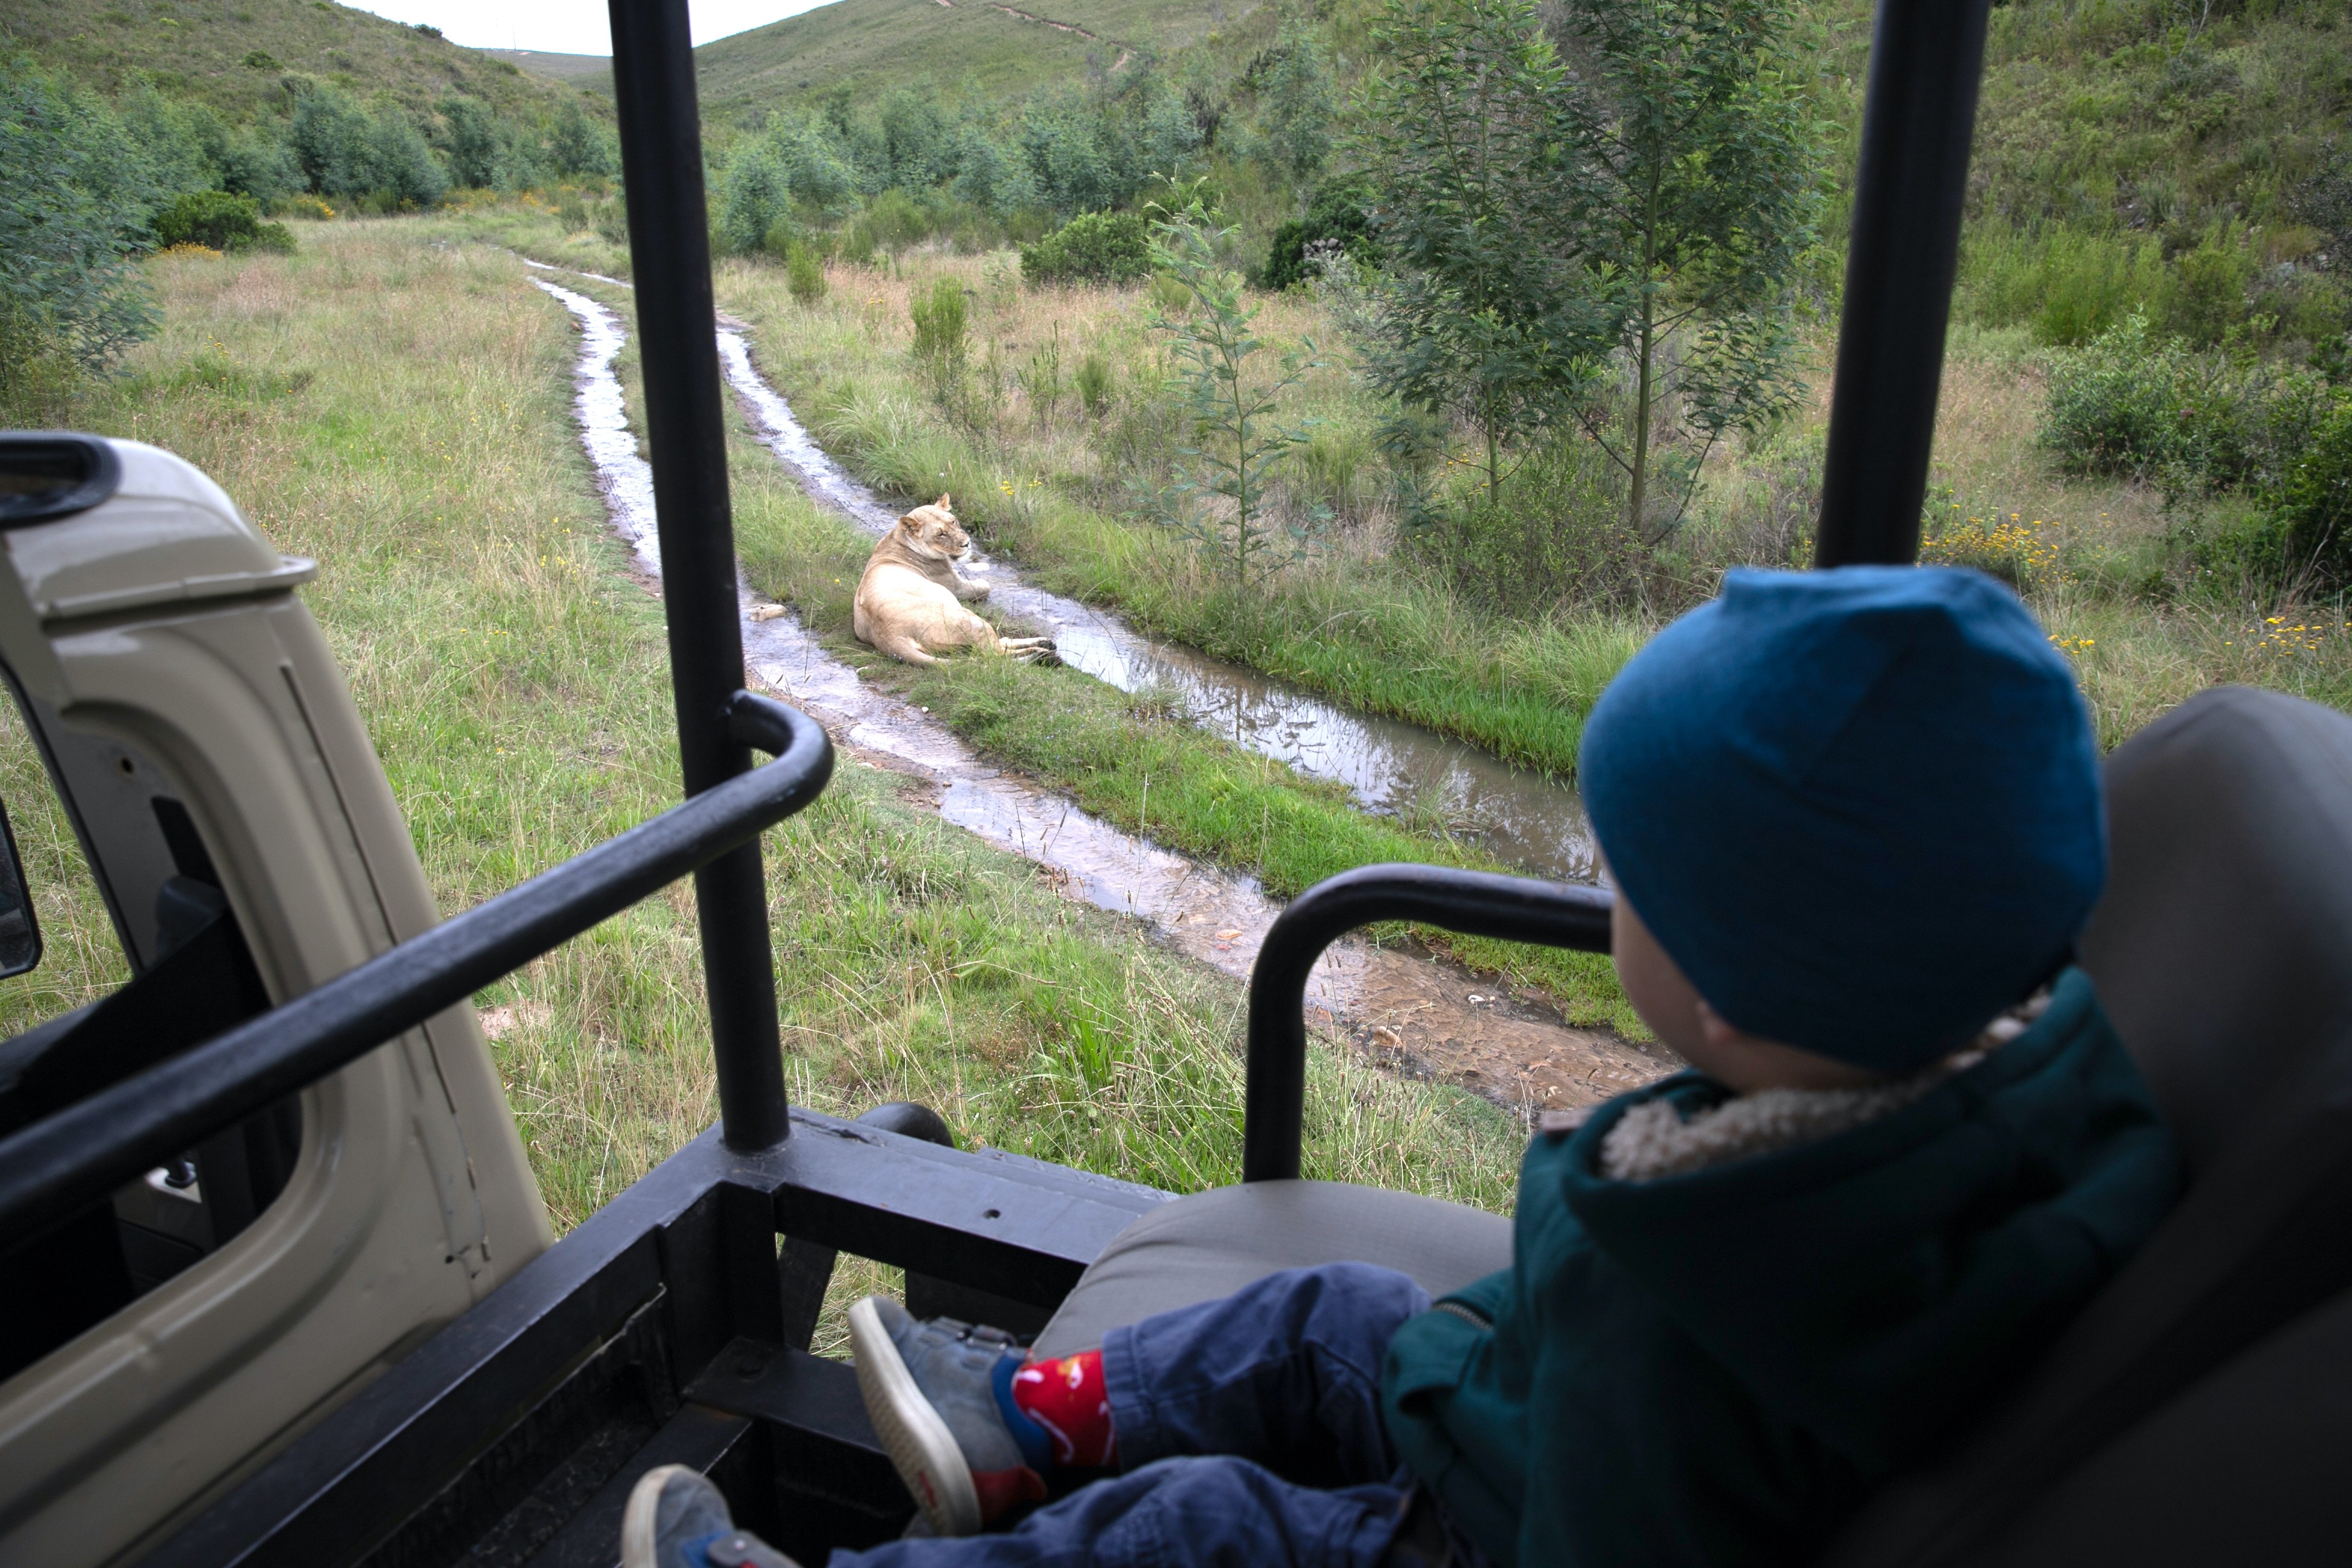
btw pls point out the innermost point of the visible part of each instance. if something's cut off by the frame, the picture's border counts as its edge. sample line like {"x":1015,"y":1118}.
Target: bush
{"x":571,"y":213}
{"x":1335,"y":222}
{"x":307,"y":207}
{"x":1559,"y":539}
{"x":2068,"y":287}
{"x":1093,"y":384}
{"x":219,"y":222}
{"x":1093,"y":248}
{"x":2128,"y":403}
{"x":2311,"y":527}
{"x":938,"y":315}
{"x":804,"y":273}
{"x":892,"y":222}
{"x":69,"y":217}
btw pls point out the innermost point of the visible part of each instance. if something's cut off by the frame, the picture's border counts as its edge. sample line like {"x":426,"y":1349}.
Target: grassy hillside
{"x":969,"y":47}
{"x":581,"y":69}
{"x":233,"y":55}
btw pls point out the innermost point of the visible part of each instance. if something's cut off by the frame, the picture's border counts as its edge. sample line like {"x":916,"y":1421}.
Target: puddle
{"x":1525,"y":818}
{"x":1422,"y":1016}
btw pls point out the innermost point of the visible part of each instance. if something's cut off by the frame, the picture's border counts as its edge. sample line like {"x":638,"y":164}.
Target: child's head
{"x":1854,"y":812}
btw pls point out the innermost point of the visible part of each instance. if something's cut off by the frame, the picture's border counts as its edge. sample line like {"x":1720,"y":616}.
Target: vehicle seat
{"x":2224,"y":951}
{"x":1211,"y":1243}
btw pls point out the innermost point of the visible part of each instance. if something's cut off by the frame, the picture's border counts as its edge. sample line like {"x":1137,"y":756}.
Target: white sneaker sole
{"x":642,"y":1518}
{"x":912,"y":1434}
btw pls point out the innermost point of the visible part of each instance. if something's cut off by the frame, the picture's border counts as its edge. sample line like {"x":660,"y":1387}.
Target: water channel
{"x":1428,"y":1018}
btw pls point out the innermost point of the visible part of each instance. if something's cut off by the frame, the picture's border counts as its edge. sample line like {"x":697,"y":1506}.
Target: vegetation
{"x":219,"y":221}
{"x":405,"y":418}
{"x":1218,"y":500}
{"x":1092,"y":247}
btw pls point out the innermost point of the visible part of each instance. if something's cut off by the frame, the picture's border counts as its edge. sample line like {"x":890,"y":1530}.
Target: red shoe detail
{"x":1067,"y":1397}
{"x":1000,"y":1490}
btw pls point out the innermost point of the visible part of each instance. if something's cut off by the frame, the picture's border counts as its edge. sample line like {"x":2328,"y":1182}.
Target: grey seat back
{"x":2224,"y":951}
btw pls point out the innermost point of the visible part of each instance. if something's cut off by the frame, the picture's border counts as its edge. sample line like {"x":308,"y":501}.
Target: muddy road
{"x":1415,"y":1015}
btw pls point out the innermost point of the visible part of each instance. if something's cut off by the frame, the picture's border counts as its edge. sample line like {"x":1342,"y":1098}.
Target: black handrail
{"x":1476,"y":903}
{"x":686,"y":442}
{"x":78,"y":1155}
{"x":1917,"y":123}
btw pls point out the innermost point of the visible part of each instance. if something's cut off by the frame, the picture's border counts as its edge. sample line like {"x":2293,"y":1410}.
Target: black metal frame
{"x":1475,"y":903}
{"x":82,"y":1152}
{"x":670,"y":1326}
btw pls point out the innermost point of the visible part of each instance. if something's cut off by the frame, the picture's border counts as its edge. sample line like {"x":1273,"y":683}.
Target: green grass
{"x":1125,"y":758}
{"x":1047,"y":484}
{"x":512,"y":675}
{"x":970,"y":50}
{"x":197,"y":49}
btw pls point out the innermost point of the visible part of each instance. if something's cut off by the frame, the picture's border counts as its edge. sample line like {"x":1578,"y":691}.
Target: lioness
{"x":911,"y":599}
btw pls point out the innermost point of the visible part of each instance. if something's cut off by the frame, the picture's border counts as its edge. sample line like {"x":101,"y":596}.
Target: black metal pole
{"x":669,"y":250}
{"x":1476,"y":903}
{"x":82,"y":1152}
{"x":1919,"y":114}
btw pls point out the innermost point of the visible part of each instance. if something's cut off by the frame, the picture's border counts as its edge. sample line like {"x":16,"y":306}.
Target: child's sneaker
{"x":931,"y":1389}
{"x":676,"y":1518}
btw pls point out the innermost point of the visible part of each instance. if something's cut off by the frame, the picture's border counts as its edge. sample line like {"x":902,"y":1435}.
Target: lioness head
{"x":933,"y":530}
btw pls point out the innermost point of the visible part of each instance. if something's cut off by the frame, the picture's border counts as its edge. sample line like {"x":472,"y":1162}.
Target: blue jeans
{"x":1249,"y":1433}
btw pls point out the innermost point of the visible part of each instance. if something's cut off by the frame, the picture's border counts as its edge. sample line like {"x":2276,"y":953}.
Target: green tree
{"x":69,"y":228}
{"x":1295,"y":107}
{"x":469,"y":136}
{"x":1491,"y":310}
{"x":1228,"y":408}
{"x":1700,"y":199}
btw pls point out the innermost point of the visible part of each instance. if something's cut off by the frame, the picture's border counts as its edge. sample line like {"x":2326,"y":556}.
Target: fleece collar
{"x":1658,"y":1138}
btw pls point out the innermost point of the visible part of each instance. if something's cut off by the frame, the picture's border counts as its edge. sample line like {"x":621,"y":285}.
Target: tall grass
{"x":402,"y":413}
{"x":1050,"y":487}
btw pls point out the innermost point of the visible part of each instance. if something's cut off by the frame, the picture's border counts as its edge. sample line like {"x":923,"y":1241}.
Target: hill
{"x":976,"y":49}
{"x":233,"y":55}
{"x":579,"y":69}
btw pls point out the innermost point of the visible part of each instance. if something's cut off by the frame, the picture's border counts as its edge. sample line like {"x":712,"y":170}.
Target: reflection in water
{"x":1525,"y":818}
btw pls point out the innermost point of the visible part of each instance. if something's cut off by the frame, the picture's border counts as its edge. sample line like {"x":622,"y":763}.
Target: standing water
{"x":1525,"y":818}
{"x":1439,"y":1020}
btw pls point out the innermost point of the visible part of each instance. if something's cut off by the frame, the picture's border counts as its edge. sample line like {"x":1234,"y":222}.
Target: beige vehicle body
{"x":159,"y":651}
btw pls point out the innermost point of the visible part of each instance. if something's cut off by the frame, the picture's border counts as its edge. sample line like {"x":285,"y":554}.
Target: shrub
{"x":938,"y":315}
{"x":307,"y":207}
{"x":2205,"y":295}
{"x":2067,"y":286}
{"x":2312,"y":521}
{"x":2111,"y":403}
{"x":69,"y":221}
{"x":572,"y":213}
{"x":612,"y":223}
{"x":1559,"y":540}
{"x":1092,"y":247}
{"x":218,"y":221}
{"x":2131,"y":404}
{"x":892,"y":222}
{"x":804,"y":273}
{"x":1093,"y":384}
{"x":1335,"y":222}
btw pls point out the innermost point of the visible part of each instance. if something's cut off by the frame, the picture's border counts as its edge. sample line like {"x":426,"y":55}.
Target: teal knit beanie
{"x":1860,"y":808}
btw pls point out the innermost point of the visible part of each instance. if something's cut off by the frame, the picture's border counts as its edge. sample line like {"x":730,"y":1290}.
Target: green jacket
{"x":1719,"y":1367}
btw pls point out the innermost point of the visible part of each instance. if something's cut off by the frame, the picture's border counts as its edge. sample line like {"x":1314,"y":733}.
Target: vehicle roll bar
{"x":686,"y":442}
{"x":1475,"y":903}
{"x":78,"y":1155}
{"x":1917,"y":121}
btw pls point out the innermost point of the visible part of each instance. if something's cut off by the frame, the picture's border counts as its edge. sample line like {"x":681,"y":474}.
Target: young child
{"x":1855,"y":824}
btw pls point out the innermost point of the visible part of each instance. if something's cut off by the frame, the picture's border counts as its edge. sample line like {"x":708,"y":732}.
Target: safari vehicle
{"x":278,"y":1288}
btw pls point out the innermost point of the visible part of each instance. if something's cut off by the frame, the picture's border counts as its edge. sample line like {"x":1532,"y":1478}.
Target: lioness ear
{"x":943,"y":504}
{"x":911,"y":523}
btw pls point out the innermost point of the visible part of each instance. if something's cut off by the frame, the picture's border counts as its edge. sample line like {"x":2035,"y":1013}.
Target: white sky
{"x":571,"y":27}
